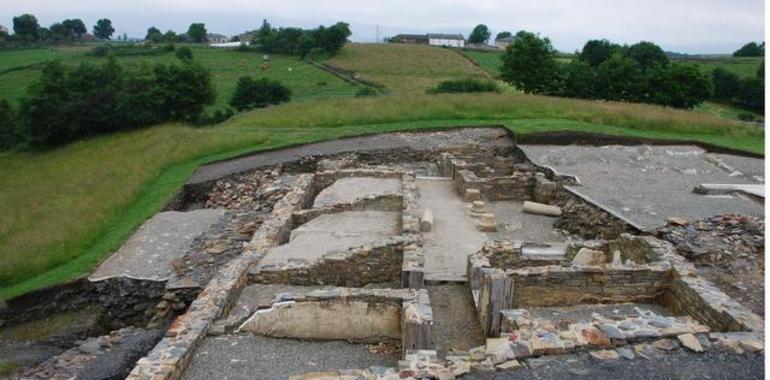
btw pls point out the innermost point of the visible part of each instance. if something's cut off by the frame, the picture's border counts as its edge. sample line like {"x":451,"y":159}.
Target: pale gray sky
{"x":694,"y":26}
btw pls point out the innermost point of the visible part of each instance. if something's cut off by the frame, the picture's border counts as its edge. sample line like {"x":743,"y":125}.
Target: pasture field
{"x":744,"y":67}
{"x":64,"y":210}
{"x":305,"y":80}
{"x":405,"y":68}
{"x":488,"y":60}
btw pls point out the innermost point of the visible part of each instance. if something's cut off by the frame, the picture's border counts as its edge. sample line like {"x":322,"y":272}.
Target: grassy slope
{"x":405,"y":68}
{"x":64,"y":210}
{"x":488,"y":60}
{"x":306,"y":82}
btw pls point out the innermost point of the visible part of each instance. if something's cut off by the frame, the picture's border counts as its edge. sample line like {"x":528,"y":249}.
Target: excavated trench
{"x":350,"y":271}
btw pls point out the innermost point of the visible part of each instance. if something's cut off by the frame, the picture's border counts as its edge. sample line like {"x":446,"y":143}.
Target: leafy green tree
{"x":530,"y":64}
{"x":154,"y":34}
{"x":41,"y":111}
{"x":647,"y":54}
{"x":679,"y":85}
{"x":103,"y":29}
{"x":197,"y":32}
{"x":333,"y":38}
{"x":620,"y":78}
{"x":58,"y":33}
{"x":752,"y":94}
{"x":250,"y":93}
{"x":184,"y":53}
{"x":727,"y":85}
{"x":25,"y":27}
{"x":170,"y":36}
{"x":7,"y":125}
{"x":75,"y":28}
{"x":580,"y":80}
{"x":480,"y":34}
{"x":184,"y":90}
{"x":597,"y":51}
{"x":502,"y":35}
{"x":751,"y":49}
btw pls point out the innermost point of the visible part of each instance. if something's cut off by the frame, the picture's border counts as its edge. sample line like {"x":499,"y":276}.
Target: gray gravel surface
{"x":680,"y":365}
{"x":455,"y":322}
{"x":585,"y":312}
{"x":644,"y":185}
{"x":253,"y":357}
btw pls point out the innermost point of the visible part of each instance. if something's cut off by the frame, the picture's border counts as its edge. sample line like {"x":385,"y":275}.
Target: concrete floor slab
{"x":333,"y":233}
{"x":350,"y":190}
{"x":148,"y":254}
{"x":645,"y":185}
{"x":454,"y":235}
{"x":253,"y":357}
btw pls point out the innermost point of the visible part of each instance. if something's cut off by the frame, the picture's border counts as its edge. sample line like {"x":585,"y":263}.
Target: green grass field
{"x":743,"y":67}
{"x":64,"y":210}
{"x":488,"y":60}
{"x":306,"y":81}
{"x":405,"y":68}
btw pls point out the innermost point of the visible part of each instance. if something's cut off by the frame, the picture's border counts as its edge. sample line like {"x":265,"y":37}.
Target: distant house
{"x":247,"y":36}
{"x":503,"y":43}
{"x":214,"y":38}
{"x":451,"y":40}
{"x":4,"y":30}
{"x":421,"y":39}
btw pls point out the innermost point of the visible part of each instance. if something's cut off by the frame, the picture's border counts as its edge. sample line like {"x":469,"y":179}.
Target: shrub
{"x":7,"y":125}
{"x":580,"y":80}
{"x":184,"y":53}
{"x":465,"y":85}
{"x":250,"y":93}
{"x":168,"y":48}
{"x":746,"y":116}
{"x":678,"y":85}
{"x":100,"y":51}
{"x":217,"y":117}
{"x":366,"y":91}
{"x":752,"y":94}
{"x":620,"y":78}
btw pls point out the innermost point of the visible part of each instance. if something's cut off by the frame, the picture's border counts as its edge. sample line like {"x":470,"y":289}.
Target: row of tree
{"x":67,"y":103}
{"x":481,"y":35}
{"x":297,"y":41}
{"x":27,"y":30}
{"x":604,"y":70}
{"x":751,"y":49}
{"x":195,"y":33}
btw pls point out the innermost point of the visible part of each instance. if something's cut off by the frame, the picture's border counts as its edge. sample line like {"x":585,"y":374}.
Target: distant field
{"x":306,"y":81}
{"x":488,"y":60}
{"x":743,"y":67}
{"x":405,"y":68}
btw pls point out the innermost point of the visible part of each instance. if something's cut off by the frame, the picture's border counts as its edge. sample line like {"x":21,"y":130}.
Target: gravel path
{"x":253,"y":357}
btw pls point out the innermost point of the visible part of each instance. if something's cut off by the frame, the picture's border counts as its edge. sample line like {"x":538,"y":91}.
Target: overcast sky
{"x":693,"y":26}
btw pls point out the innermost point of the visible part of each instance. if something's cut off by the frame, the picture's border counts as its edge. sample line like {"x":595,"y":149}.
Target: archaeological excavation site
{"x":460,"y":253}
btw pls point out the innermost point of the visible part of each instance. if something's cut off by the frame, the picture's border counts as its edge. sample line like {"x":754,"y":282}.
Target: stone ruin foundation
{"x":424,"y":246}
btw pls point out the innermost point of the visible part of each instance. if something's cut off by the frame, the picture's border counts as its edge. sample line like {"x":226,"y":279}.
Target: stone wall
{"x":355,"y":267}
{"x":170,"y":357}
{"x":413,"y":265}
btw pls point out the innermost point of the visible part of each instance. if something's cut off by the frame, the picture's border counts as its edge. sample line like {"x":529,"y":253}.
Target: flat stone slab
{"x":334,"y":233}
{"x":454,"y":235}
{"x":148,"y":254}
{"x":351,"y":190}
{"x":515,"y":225}
{"x":729,"y":188}
{"x":645,"y":185}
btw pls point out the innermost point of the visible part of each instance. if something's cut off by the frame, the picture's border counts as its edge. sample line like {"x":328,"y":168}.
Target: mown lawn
{"x":64,"y":210}
{"x":306,"y":81}
{"x":405,"y":68}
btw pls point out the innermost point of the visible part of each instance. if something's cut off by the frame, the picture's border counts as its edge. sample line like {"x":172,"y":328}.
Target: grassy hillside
{"x":65,"y":209}
{"x":488,"y":60}
{"x":405,"y":68}
{"x":743,"y":67}
{"x":306,"y":81}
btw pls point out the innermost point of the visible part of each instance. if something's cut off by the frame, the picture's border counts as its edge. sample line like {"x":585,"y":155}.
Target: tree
{"x":58,"y":33}
{"x":597,"y":51}
{"x":727,"y":85}
{"x":529,"y":63}
{"x":41,"y":121}
{"x":751,"y":49}
{"x":197,"y":32}
{"x":184,"y":90}
{"x":153,"y":34}
{"x":620,"y":78}
{"x":580,"y":80}
{"x":752,"y":94}
{"x":502,"y":35}
{"x":679,"y":85}
{"x":250,"y":93}
{"x":647,"y":54}
{"x":332,"y":39}
{"x":75,"y":28}
{"x":170,"y":36}
{"x":761,"y":70}
{"x":103,"y":29}
{"x":480,"y":34}
{"x":26,"y":27}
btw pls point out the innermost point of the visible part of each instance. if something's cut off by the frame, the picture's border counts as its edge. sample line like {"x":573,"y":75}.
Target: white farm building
{"x":451,"y":40}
